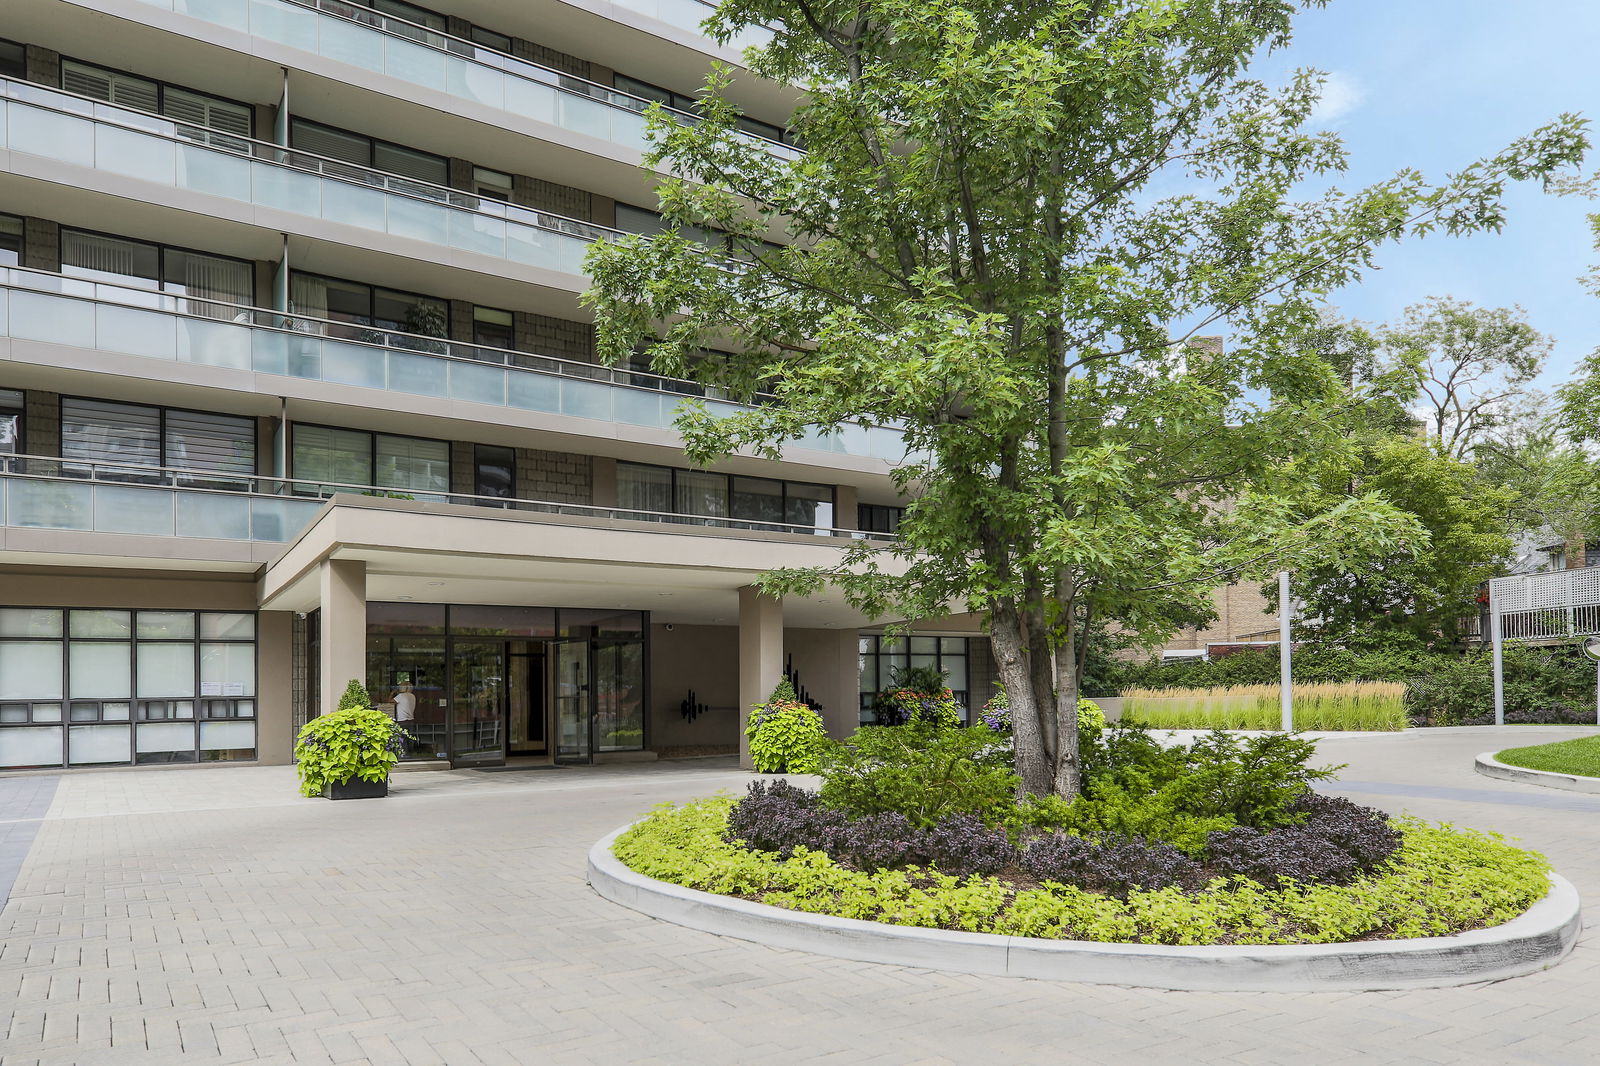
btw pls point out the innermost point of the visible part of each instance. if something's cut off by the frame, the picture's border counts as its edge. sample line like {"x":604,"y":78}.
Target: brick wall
{"x":41,"y":244}
{"x":549,"y":196}
{"x":42,"y":422}
{"x":559,"y":477}
{"x":1242,"y":615}
{"x":543,"y":335}
{"x":44,"y":66}
{"x":549,"y":57}
{"x":463,"y":475}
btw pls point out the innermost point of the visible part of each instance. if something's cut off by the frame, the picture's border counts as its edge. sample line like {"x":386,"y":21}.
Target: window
{"x":96,"y":431}
{"x":368,"y":305}
{"x":366,"y":151}
{"x":494,"y":472}
{"x":797,"y":505}
{"x":678,"y":102}
{"x":493,"y":327}
{"x":160,"y":98}
{"x":492,"y":183}
{"x":121,"y":261}
{"x":878,"y":518}
{"x":413,"y":466}
{"x":490,"y":39}
{"x":13,"y":60}
{"x":11,"y":408}
{"x":87,"y":687}
{"x":11,"y":233}
{"x":882,"y":659}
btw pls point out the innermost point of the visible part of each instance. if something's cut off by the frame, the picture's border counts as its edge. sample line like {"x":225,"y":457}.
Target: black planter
{"x":357,"y":789}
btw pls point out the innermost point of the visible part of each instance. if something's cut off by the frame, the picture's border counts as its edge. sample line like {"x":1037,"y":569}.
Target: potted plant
{"x":348,"y":754}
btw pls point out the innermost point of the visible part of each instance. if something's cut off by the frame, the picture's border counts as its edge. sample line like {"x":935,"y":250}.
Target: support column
{"x":275,"y":701}
{"x":760,"y":656}
{"x":845,"y":716}
{"x":343,"y":585}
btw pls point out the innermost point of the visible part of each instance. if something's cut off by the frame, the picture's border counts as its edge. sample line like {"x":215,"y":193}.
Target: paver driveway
{"x":211,"y":915}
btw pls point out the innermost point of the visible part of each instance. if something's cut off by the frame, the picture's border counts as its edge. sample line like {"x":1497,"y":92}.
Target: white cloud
{"x":1340,"y":96}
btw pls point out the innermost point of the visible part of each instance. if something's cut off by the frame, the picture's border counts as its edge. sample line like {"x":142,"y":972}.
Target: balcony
{"x":82,"y":132}
{"x":48,"y":492}
{"x":429,"y":59}
{"x":122,"y":320}
{"x":690,"y":14}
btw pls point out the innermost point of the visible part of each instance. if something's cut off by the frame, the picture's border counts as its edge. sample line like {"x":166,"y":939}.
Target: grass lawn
{"x":1581,"y":756}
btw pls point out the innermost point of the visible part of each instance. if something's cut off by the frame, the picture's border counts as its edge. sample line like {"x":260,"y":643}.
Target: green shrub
{"x":356,"y":743}
{"x":786,"y":736}
{"x":1441,"y":881}
{"x":1252,"y":780}
{"x":1091,"y":719}
{"x":355,"y":696}
{"x":920,"y":771}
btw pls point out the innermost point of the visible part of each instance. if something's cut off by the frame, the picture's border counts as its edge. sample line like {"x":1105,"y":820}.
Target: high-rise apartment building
{"x":295,"y":387}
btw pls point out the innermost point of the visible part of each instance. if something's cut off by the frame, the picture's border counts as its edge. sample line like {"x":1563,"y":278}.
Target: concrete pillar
{"x":844,"y":717}
{"x":343,"y":586}
{"x":845,"y":504}
{"x":760,"y":656}
{"x":275,"y":704}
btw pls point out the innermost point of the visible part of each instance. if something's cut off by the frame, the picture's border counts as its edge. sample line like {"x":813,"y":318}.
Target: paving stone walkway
{"x":212,"y":916}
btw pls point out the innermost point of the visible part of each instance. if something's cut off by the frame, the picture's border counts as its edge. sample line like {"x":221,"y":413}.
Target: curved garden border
{"x":1487,"y":765}
{"x":1534,"y":941}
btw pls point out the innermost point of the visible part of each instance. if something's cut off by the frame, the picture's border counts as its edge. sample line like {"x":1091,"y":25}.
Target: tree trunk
{"x":1012,"y":659}
{"x":1067,"y":781}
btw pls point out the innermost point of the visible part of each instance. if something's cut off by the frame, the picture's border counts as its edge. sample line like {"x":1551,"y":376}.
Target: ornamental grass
{"x":1364,"y":705}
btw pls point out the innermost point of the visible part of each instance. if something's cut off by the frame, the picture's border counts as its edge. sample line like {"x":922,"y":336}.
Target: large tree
{"x":1009,"y":223}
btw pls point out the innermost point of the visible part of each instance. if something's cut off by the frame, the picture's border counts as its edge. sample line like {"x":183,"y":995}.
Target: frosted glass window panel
{"x":117,"y":625}
{"x":30,"y":746}
{"x":30,"y":670}
{"x":413,"y":464}
{"x":229,"y":626}
{"x":221,"y":736}
{"x":230,"y":666}
{"x":47,"y":712}
{"x":114,"y":712}
{"x":953,"y":645}
{"x":98,"y":744}
{"x":165,"y":625}
{"x":164,"y":736}
{"x":100,"y":671}
{"x":955,"y":672}
{"x":165,"y":670}
{"x":30,"y":622}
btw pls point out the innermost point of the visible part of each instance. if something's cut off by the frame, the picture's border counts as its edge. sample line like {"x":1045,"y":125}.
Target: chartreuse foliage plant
{"x":1441,"y":881}
{"x":347,"y":745}
{"x":786,"y":736}
{"x":354,"y":695}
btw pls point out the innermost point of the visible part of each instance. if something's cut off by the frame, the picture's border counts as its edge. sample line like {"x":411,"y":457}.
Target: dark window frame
{"x":162,"y":411}
{"x":371,"y":302}
{"x":161,"y":260}
{"x":784,"y":483}
{"x":372,"y":454}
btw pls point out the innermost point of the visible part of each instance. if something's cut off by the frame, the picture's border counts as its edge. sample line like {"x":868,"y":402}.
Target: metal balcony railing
{"x":431,"y":59}
{"x":51,"y":492}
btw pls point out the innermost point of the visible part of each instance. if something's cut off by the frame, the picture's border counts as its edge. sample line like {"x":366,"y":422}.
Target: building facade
{"x":295,"y":388}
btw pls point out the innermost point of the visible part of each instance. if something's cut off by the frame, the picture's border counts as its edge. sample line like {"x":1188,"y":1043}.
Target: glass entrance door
{"x":569,"y":681}
{"x":478,"y":702}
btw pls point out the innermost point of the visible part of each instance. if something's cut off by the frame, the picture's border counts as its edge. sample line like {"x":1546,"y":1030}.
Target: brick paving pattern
{"x":213,"y":916}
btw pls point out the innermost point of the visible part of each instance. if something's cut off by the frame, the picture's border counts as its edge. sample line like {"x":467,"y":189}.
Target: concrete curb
{"x":1533,"y":941}
{"x":1487,"y":765}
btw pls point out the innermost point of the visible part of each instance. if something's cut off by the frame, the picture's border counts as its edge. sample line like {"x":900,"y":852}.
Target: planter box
{"x":357,"y":789}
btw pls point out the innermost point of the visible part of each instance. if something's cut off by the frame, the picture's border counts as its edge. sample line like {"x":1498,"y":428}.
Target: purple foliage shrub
{"x":1111,"y":864}
{"x":1338,"y":840}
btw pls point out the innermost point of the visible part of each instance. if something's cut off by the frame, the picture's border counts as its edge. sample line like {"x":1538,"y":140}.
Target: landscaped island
{"x":1580,"y":757}
{"x":1222,"y":842}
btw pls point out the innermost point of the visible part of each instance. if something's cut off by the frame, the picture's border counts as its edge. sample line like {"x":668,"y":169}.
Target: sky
{"x":1437,"y":84}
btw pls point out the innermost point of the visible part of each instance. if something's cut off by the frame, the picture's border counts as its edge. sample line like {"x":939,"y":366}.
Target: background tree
{"x":1002,"y":211}
{"x":1421,"y":591}
{"x":1471,"y":365}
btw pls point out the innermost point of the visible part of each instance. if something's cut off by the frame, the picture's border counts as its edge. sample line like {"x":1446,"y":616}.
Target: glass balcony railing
{"x":40,"y":306}
{"x":48,"y":492}
{"x":385,"y":44}
{"x":83,"y":132}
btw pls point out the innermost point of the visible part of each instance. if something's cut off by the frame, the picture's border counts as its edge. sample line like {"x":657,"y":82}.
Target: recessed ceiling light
{"x":436,"y":584}
{"x":402,"y":597}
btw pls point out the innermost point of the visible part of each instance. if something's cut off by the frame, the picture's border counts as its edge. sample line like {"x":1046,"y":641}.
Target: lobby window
{"x":11,"y":408}
{"x":13,"y":60}
{"x":366,"y":151}
{"x":97,"y":431}
{"x":706,"y":494}
{"x":156,"y":97}
{"x":368,"y":305}
{"x":882,"y":659}
{"x":140,"y":264}
{"x":411,"y":466}
{"x":94,"y":687}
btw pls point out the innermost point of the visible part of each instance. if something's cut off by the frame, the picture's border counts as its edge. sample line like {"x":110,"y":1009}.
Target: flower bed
{"x":1438,"y":881}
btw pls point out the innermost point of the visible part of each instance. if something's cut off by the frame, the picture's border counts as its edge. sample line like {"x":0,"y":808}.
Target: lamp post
{"x":1285,"y":686}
